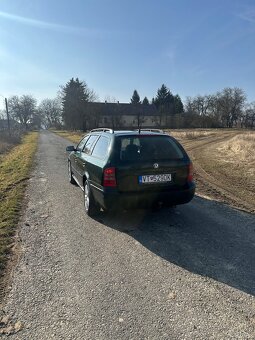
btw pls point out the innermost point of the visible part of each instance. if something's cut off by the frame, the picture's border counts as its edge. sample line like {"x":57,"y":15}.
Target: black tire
{"x":90,"y":206}
{"x":70,"y":174}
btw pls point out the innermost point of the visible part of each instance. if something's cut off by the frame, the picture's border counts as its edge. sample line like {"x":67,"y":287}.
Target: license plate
{"x":155,"y":178}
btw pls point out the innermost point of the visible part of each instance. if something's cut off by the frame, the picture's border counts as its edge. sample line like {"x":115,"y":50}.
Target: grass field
{"x":73,"y":136}
{"x":15,"y":166}
{"x":224,"y":162}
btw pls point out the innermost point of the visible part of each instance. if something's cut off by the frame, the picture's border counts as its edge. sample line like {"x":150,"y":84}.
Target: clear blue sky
{"x":116,"y":46}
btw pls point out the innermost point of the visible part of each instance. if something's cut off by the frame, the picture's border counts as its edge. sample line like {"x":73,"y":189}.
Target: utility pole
{"x":8,"y":118}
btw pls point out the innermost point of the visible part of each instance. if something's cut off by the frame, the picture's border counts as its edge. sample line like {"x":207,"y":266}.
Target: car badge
{"x":155,"y":165}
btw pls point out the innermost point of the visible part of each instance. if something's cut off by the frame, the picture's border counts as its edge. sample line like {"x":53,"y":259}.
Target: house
{"x":122,"y":115}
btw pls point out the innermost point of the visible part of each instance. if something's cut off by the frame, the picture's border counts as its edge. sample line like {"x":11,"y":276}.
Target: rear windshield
{"x":146,"y":148}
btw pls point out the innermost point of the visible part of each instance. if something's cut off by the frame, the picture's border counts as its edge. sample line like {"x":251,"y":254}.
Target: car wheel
{"x":91,"y":207}
{"x":70,"y":174}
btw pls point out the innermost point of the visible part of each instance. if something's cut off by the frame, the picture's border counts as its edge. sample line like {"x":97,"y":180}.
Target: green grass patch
{"x":73,"y":136}
{"x":14,"y":171}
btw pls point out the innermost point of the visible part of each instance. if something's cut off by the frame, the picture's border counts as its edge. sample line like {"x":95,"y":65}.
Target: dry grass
{"x":14,"y":170}
{"x":8,"y":141}
{"x":73,"y":136}
{"x":4,"y":146}
{"x":228,"y":161}
{"x":240,"y":147}
{"x":192,"y":134}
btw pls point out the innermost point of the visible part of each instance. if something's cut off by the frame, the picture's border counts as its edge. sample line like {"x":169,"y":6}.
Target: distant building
{"x":122,"y":115}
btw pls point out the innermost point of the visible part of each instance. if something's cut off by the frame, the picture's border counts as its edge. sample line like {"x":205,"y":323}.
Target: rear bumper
{"x":113,"y":199}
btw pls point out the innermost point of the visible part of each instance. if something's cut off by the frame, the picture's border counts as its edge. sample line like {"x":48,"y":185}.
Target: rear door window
{"x":101,"y":147}
{"x":146,"y":148}
{"x":90,"y":143}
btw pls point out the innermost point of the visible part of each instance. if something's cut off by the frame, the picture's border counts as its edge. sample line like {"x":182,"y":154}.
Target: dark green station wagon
{"x":129,"y":169}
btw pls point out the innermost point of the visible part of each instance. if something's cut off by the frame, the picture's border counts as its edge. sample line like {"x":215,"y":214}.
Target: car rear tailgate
{"x":128,"y":175}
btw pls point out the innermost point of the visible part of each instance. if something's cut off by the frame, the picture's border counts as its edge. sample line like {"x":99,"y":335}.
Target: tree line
{"x":227,"y":108}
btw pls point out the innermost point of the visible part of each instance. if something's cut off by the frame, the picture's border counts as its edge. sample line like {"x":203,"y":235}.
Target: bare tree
{"x":1,"y":114}
{"x":248,"y":118}
{"x":197,"y":109}
{"x":51,"y":111}
{"x":225,"y":108}
{"x":110,"y":99}
{"x":23,"y":109}
{"x":231,"y":103}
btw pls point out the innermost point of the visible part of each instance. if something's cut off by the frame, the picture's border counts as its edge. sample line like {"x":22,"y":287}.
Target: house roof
{"x":109,"y":109}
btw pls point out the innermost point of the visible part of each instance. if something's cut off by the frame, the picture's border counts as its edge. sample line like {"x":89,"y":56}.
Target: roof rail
{"x":102,"y":130}
{"x":151,"y":130}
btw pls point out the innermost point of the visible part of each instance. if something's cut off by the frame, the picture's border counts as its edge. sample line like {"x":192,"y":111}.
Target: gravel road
{"x":184,"y":273}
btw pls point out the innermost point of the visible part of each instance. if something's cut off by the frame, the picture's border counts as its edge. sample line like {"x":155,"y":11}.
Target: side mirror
{"x":70,"y":148}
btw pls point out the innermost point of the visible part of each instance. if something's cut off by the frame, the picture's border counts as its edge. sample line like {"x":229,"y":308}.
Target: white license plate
{"x":155,"y":178}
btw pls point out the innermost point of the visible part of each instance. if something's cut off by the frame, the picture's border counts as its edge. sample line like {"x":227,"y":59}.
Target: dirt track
{"x":211,"y":180}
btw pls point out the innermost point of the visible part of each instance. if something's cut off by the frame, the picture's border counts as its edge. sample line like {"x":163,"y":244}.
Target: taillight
{"x":109,"y":177}
{"x":190,"y":173}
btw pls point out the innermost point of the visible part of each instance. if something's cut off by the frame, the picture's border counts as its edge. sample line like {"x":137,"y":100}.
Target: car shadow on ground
{"x":203,"y":237}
